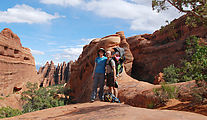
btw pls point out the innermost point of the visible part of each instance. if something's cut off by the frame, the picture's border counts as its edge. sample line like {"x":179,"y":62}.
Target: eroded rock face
{"x":153,"y":52}
{"x":52,"y":75}
{"x":141,"y":94}
{"x":13,"y":101}
{"x":17,"y":65}
{"x":81,"y":71}
{"x":106,"y":111}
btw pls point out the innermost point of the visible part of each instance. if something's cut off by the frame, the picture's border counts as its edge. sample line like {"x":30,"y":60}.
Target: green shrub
{"x":171,"y":74}
{"x":1,"y":98}
{"x":8,"y":96}
{"x":200,"y":92}
{"x":166,"y":92}
{"x":9,"y":112}
{"x":170,"y":90}
{"x":151,"y":106}
{"x":38,"y":99}
{"x":194,"y":65}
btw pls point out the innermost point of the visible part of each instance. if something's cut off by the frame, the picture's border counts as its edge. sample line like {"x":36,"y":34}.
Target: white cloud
{"x":37,"y":52}
{"x":143,"y":2}
{"x":71,"y":53}
{"x":63,"y":2}
{"x":52,"y":43}
{"x":26,"y":14}
{"x":87,"y":40}
{"x":113,"y":8}
{"x":139,"y":13}
{"x":63,"y":46}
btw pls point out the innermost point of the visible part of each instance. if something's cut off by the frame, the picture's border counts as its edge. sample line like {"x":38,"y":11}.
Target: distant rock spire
{"x":52,"y":75}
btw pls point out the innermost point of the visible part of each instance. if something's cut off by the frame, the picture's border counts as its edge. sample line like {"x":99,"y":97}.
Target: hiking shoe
{"x":92,"y":100}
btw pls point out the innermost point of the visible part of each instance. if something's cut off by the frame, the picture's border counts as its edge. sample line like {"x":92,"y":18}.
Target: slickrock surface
{"x":106,"y":111}
{"x":140,"y":94}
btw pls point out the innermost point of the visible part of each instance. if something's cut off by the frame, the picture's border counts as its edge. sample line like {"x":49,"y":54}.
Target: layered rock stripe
{"x":17,"y":65}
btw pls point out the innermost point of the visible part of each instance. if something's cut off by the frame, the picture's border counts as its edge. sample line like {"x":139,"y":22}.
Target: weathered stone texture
{"x":153,"y":52}
{"x":106,"y":111}
{"x":17,"y":65}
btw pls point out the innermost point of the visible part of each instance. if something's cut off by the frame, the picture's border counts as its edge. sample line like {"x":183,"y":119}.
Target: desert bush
{"x":151,"y":106}
{"x":200,"y":92}
{"x":194,"y":65}
{"x":42,"y":98}
{"x":9,"y":112}
{"x":171,"y":74}
{"x":166,"y":92}
{"x":1,"y":98}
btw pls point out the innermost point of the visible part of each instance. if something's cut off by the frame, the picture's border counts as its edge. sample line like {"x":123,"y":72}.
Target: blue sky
{"x":57,"y":29}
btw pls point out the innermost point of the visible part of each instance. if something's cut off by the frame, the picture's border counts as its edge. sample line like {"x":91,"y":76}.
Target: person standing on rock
{"x":111,"y":74}
{"x":98,"y":75}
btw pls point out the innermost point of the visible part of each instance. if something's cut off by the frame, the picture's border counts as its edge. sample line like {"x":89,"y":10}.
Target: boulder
{"x":141,"y":94}
{"x":159,"y":79}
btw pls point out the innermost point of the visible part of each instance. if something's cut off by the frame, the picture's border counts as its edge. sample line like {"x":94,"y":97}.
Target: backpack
{"x":108,"y":97}
{"x":119,"y":63}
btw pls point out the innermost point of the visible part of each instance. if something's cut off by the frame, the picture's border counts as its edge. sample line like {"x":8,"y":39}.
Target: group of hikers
{"x":108,"y":64}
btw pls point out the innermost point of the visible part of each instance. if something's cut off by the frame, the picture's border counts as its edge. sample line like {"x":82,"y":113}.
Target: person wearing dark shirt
{"x":111,"y":74}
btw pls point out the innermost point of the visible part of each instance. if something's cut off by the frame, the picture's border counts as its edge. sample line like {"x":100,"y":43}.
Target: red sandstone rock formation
{"x":17,"y":65}
{"x":106,"y":111}
{"x":13,"y":101}
{"x":80,"y":80}
{"x":140,"y":94}
{"x":52,"y":75}
{"x":153,"y":52}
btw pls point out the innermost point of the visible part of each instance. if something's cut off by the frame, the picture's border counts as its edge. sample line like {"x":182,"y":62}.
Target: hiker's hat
{"x":103,"y":50}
